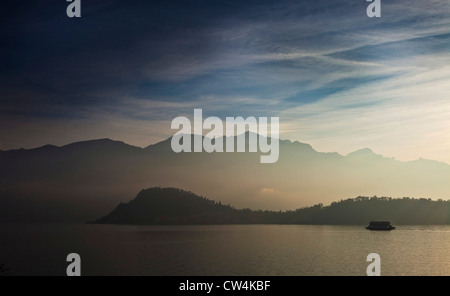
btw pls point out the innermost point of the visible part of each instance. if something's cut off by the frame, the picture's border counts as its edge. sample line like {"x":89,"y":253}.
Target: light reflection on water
{"x":224,"y":250}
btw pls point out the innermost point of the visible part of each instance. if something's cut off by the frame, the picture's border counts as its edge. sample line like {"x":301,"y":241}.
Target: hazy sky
{"x":337,"y":79}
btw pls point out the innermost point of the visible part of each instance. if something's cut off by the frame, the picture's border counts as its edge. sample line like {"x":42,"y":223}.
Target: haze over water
{"x":259,"y":250}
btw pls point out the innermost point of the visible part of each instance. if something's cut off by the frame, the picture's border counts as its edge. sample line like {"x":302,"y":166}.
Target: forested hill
{"x":361,"y":210}
{"x":174,"y":206}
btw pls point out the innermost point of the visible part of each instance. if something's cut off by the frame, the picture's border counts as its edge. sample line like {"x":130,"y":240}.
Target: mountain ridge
{"x":77,"y":182}
{"x":103,"y":141}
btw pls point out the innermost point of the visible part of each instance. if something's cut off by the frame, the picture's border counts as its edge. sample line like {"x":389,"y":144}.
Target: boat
{"x":380,"y":225}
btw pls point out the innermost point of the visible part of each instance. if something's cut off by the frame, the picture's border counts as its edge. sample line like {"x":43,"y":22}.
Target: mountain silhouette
{"x":169,"y":206}
{"x":366,"y":152}
{"x":81,"y":181}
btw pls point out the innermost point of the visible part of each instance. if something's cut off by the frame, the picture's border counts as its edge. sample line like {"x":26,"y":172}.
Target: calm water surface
{"x":224,"y":250}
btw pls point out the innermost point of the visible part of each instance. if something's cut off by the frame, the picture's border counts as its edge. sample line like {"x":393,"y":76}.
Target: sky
{"x":337,"y":79}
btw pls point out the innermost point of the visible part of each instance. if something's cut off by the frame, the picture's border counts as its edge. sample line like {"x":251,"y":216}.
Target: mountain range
{"x":82,"y":181}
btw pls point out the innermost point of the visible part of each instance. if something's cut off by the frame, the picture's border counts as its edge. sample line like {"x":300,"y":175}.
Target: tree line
{"x":175,"y":206}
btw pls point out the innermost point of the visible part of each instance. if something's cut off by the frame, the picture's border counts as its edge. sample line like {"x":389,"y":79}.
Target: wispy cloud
{"x":406,"y":116}
{"x":338,"y":79}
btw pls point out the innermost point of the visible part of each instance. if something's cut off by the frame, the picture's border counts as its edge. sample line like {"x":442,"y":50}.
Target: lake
{"x":229,"y":250}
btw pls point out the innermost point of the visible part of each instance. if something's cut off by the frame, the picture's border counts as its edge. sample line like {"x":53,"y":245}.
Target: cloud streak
{"x":338,"y":79}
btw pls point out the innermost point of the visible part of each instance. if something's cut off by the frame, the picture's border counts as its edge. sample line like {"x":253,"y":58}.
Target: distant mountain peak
{"x":365,"y":152}
{"x":98,"y":143}
{"x":303,"y":145}
{"x":103,"y":140}
{"x":47,"y":147}
{"x":162,"y":143}
{"x":429,"y":162}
